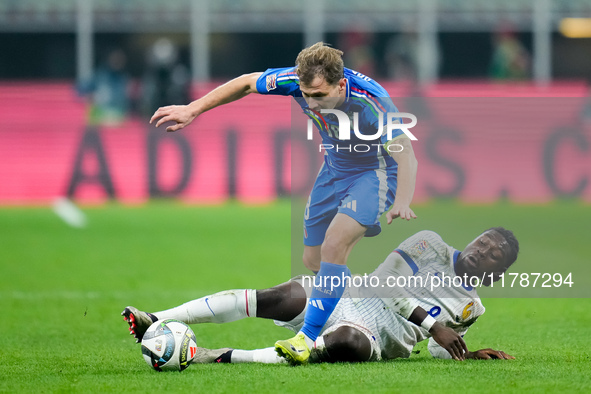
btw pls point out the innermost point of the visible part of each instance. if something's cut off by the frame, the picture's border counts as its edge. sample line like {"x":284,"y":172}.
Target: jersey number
{"x":435,"y":311}
{"x":364,"y":77}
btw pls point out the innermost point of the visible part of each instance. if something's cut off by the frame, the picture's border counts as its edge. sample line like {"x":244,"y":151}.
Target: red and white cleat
{"x":138,"y":321}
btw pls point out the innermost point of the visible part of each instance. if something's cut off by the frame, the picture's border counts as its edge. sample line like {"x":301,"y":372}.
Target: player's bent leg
{"x":283,"y":302}
{"x":346,"y":344}
{"x":222,"y":307}
{"x":341,"y":236}
{"x":138,"y":321}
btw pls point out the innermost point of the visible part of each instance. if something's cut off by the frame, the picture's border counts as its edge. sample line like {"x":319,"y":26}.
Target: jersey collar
{"x":348,"y":95}
{"x":455,"y":257}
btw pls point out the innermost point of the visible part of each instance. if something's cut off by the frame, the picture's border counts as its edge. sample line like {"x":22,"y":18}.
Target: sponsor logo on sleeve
{"x":421,"y":246}
{"x":271,"y":82}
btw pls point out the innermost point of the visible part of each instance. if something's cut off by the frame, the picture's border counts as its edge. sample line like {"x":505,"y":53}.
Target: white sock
{"x":318,"y":351}
{"x":309,"y":342}
{"x":319,"y":344}
{"x":266,"y":356}
{"x":223,"y":307}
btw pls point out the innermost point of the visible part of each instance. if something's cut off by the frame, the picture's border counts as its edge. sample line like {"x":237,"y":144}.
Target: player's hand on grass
{"x":450,"y":341}
{"x":400,"y":211}
{"x":489,"y":354}
{"x":181,"y":115}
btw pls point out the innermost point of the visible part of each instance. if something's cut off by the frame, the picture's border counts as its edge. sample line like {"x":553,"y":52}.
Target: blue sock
{"x":323,"y":300}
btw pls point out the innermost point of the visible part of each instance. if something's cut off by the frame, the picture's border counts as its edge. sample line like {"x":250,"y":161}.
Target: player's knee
{"x":311,"y":258}
{"x":283,"y":302}
{"x":348,"y":344}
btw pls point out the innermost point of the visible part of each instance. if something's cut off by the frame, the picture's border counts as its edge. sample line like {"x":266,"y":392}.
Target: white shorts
{"x":345,"y":314}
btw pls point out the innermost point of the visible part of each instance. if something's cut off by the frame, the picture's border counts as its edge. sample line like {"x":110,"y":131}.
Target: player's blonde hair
{"x":320,"y":60}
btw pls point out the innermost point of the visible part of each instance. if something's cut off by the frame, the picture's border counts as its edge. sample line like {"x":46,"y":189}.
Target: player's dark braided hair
{"x":511,"y":240}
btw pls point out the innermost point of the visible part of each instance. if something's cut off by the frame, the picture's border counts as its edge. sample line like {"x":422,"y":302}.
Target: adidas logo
{"x":317,"y":304}
{"x":352,"y":205}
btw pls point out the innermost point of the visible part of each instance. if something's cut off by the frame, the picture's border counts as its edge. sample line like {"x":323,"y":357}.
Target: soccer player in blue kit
{"x":354,"y":186}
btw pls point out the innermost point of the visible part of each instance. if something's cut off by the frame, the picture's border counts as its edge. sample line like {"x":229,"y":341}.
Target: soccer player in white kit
{"x":423,"y":290}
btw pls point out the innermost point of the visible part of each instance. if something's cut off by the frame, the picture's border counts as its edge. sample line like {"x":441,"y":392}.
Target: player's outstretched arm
{"x":489,"y":354}
{"x":407,"y":175}
{"x":483,"y":354}
{"x":183,"y":115}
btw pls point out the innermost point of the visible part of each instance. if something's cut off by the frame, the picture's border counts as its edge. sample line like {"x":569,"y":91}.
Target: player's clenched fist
{"x":181,"y":115}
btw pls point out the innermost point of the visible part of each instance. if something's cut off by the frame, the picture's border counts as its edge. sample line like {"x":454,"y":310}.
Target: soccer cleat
{"x":208,"y":356}
{"x":138,"y":322}
{"x":294,"y":350}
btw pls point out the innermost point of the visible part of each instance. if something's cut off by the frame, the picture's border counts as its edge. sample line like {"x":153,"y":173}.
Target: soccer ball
{"x":169,"y":345}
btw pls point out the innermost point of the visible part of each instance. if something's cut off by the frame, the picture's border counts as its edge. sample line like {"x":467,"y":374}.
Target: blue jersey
{"x":365,"y":97}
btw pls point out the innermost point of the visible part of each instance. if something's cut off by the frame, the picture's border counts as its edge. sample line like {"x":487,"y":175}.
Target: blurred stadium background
{"x":79,"y":79}
{"x":500,"y":88}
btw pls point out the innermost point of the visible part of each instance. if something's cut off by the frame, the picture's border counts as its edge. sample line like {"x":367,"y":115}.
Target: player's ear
{"x":342,"y":84}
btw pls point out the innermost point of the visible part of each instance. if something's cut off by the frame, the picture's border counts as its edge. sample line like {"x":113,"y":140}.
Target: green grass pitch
{"x":62,"y":289}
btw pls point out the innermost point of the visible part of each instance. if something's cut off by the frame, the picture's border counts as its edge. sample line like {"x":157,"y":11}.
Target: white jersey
{"x":426,"y":255}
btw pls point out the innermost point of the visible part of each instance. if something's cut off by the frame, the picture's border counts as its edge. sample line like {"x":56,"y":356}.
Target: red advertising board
{"x":476,"y":143}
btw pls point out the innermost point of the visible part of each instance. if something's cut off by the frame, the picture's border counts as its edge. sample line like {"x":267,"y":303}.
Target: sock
{"x":323,"y":300}
{"x":266,"y":356}
{"x":152,"y":317}
{"x":223,"y":307}
{"x":319,"y":345}
{"x":318,"y":352}
{"x":225,"y":358}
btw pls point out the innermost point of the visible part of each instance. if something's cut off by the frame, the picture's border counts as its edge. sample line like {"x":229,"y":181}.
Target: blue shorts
{"x":364,"y":197}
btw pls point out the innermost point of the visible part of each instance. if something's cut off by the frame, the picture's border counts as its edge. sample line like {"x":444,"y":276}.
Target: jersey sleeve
{"x":423,"y":246}
{"x":279,"y":81}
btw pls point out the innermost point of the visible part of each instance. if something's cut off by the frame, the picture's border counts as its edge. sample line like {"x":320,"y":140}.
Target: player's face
{"x":487,"y":254}
{"x":320,"y":95}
